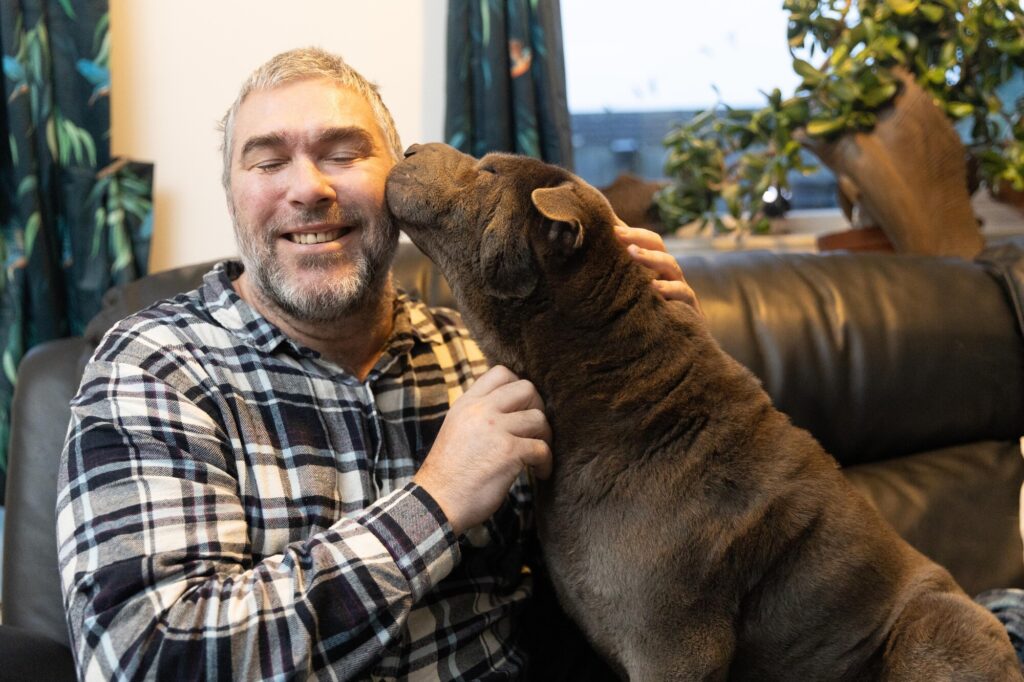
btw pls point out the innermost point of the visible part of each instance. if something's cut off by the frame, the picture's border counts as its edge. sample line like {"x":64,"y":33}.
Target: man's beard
{"x":328,"y":299}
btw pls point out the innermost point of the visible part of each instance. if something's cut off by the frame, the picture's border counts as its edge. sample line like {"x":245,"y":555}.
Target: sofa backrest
{"x":877,"y":355}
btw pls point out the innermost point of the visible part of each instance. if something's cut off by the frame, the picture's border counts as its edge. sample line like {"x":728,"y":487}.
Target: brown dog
{"x":690,"y":529}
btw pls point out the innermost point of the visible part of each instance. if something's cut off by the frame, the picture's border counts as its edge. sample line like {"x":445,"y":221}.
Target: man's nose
{"x":309,"y":186}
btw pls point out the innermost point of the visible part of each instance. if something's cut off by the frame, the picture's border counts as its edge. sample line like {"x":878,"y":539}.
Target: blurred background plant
{"x":730,"y":168}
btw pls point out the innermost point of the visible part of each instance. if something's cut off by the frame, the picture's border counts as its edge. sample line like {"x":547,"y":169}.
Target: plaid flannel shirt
{"x":231,"y":506}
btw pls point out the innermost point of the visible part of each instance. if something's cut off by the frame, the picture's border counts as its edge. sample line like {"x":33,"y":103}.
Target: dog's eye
{"x":489,"y":169}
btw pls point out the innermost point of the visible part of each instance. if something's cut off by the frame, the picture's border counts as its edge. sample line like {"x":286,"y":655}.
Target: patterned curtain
{"x":506,"y":79}
{"x":72,"y":222}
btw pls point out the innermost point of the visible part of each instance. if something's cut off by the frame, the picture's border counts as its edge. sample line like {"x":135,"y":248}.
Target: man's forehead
{"x":304,"y":110}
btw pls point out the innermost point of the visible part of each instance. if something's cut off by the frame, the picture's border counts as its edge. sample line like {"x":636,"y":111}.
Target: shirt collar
{"x":413,"y":319}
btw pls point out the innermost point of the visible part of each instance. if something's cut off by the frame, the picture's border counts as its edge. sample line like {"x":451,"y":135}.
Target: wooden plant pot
{"x":909,"y":176}
{"x":855,"y":239}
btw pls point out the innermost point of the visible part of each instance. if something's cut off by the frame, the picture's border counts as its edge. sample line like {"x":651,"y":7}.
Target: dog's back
{"x":702,"y":535}
{"x":688,"y":527}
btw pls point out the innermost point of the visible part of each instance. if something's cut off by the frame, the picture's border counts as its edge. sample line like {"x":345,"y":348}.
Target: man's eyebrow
{"x":335,"y":135}
{"x":255,"y":142}
{"x":356,"y":135}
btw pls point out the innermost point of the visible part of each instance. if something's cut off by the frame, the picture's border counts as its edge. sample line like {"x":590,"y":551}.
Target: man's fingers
{"x":529,"y":424}
{"x":538,"y":457}
{"x":663,"y":264}
{"x":492,"y":379}
{"x":678,"y":291}
{"x":645,"y":239}
{"x":517,"y":396}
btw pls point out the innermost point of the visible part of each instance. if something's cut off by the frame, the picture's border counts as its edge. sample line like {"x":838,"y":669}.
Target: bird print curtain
{"x":506,"y":79}
{"x":72,"y":222}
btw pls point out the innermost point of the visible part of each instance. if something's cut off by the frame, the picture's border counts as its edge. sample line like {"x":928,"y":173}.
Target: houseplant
{"x":883,"y":83}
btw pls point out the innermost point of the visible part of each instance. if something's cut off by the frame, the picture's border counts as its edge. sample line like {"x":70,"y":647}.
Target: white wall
{"x":177,"y":65}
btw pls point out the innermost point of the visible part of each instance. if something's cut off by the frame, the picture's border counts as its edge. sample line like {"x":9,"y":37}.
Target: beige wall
{"x":177,"y":65}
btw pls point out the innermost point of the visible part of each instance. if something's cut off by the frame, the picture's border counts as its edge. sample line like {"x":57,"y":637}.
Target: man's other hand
{"x":648,"y":249}
{"x":494,"y":430}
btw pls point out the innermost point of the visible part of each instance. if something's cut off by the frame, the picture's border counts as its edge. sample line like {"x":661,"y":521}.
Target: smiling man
{"x":306,"y":189}
{"x":290,"y":471}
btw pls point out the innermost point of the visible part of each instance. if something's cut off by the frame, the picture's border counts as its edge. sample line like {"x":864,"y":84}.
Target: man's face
{"x":308,"y":166}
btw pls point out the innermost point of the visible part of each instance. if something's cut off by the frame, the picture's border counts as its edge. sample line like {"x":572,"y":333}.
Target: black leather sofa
{"x":910,"y":370}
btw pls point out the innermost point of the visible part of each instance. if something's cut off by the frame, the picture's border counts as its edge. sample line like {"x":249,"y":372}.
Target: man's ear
{"x":564,"y":207}
{"x":505,"y":259}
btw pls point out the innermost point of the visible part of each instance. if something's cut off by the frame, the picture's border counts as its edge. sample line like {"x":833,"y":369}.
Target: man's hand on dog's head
{"x":648,"y":249}
{"x":494,"y":430}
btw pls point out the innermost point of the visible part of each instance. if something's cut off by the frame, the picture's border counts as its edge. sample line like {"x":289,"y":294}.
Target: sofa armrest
{"x":28,"y":656}
{"x":48,"y":378}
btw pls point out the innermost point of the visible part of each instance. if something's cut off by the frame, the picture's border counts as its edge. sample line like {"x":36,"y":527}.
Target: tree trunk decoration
{"x":908,"y":176}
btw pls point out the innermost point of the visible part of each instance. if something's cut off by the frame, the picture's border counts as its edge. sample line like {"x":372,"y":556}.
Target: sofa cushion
{"x":958,"y":506}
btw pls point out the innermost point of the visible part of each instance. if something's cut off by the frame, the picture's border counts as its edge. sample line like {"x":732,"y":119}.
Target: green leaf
{"x":27,"y":184}
{"x":845,"y":90}
{"x":932,"y":13}
{"x":824,"y":127}
{"x":100,"y":221}
{"x":880,"y":95}
{"x":840,"y":53}
{"x":120,"y":245}
{"x":10,"y":366}
{"x":947,"y":55}
{"x":870,"y":29}
{"x":51,"y":138}
{"x":68,"y":9}
{"x":935,"y":75}
{"x":903,"y":7}
{"x":806,"y":71}
{"x":102,"y":56}
{"x":959,"y":109}
{"x":89,"y":145}
{"x":35,"y":221}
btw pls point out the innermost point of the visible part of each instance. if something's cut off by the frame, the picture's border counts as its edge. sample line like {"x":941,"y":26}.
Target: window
{"x":633,"y":69}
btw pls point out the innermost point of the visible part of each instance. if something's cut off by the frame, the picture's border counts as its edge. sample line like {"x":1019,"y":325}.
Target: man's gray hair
{"x":302,"y":64}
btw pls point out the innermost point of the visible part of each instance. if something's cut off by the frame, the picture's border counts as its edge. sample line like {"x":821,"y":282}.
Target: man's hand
{"x":648,"y":249}
{"x":491,"y":432}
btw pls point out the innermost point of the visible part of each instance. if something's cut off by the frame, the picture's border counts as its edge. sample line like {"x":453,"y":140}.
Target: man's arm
{"x":156,"y":563}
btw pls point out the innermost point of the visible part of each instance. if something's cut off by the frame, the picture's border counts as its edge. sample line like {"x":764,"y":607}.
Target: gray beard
{"x":330,"y":299}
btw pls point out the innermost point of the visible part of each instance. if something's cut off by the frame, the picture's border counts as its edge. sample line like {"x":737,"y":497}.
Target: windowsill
{"x":798,"y":231}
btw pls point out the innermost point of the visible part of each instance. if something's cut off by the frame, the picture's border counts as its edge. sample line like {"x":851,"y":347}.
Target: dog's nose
{"x":411,"y":150}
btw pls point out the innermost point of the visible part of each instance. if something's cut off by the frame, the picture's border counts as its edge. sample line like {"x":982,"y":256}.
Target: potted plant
{"x":883,"y":83}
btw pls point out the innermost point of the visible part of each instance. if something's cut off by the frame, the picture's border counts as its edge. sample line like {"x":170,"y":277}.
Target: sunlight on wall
{"x":176,"y":67}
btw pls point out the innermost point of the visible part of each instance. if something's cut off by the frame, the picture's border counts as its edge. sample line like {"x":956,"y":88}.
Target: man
{"x":271,"y":476}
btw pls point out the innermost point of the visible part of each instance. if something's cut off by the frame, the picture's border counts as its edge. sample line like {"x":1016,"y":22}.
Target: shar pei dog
{"x":689,"y":528}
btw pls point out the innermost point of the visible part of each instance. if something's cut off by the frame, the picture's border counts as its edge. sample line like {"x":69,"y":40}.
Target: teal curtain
{"x":506,"y":79}
{"x":72,"y":222}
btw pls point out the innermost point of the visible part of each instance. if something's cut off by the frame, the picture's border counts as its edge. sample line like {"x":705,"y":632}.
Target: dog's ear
{"x":563,"y":206}
{"x":505,"y":259}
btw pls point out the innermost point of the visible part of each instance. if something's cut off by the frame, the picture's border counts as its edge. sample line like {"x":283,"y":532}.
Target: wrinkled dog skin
{"x":690,"y":529}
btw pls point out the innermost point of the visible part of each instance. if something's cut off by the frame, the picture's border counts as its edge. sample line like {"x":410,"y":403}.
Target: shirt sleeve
{"x":156,"y":566}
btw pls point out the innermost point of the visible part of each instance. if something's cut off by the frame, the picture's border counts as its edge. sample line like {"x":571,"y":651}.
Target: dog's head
{"x":501,"y":229}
